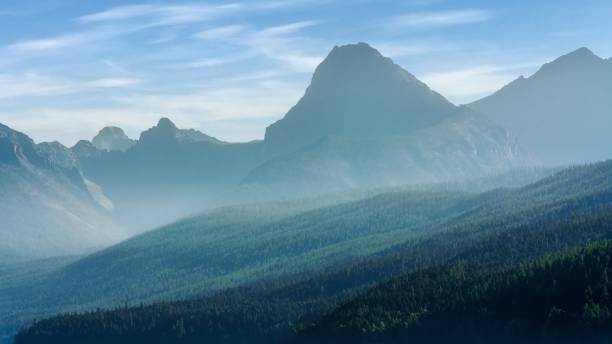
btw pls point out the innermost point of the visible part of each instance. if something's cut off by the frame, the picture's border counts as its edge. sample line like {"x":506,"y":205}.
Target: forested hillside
{"x":485,"y":233}
{"x":552,"y":300}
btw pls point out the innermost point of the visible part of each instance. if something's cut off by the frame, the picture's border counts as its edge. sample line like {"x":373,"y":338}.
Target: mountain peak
{"x":583,"y":51}
{"x":165,"y":122}
{"x":581,"y":61}
{"x":166,"y":131}
{"x":353,"y":50}
{"x":581,"y":55}
{"x":352,"y":60}
{"x":112,"y":139}
{"x":112,"y":131}
{"x":358,"y":92}
{"x":15,"y":145}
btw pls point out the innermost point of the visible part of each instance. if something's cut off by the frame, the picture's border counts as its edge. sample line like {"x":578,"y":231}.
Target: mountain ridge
{"x":166,"y":131}
{"x":570,"y":98}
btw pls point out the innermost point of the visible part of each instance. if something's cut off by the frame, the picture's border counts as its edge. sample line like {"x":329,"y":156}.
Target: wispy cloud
{"x":32,"y":84}
{"x":207,"y":62}
{"x":49,"y":43}
{"x":90,"y":36}
{"x":160,"y":15}
{"x":402,"y":49}
{"x":439,"y":19}
{"x":113,"y":82}
{"x":281,"y":30}
{"x":467,"y":84}
{"x":280,"y":43}
{"x":220,"y":33}
{"x":122,"y":20}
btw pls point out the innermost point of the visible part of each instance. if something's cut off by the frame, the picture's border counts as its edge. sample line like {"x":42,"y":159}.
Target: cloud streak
{"x":468,"y":84}
{"x":160,"y":15}
{"x":32,"y":84}
{"x":439,"y":19}
{"x":221,"y":32}
{"x":113,"y":82}
{"x":280,"y":43}
{"x":50,"y":43}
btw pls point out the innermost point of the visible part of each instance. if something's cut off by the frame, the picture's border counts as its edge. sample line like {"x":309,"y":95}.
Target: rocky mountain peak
{"x":357,"y":92}
{"x":112,"y":139}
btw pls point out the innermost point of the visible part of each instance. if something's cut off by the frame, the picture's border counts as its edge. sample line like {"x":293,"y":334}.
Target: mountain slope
{"x":562,"y":112}
{"x":456,"y":149}
{"x":46,"y":207}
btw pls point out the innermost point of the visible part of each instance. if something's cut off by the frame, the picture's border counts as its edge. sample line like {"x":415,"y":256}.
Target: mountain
{"x":112,"y":139}
{"x":365,"y":121}
{"x":562,"y":112}
{"x":166,"y":132}
{"x":358,"y":93}
{"x":47,"y":207}
{"x":167,"y":174}
{"x":457,"y":149}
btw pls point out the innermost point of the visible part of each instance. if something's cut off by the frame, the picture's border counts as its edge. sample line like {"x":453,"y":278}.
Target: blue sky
{"x":230,"y":68}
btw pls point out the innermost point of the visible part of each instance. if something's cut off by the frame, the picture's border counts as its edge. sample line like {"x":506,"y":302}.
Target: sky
{"x":231,"y":68}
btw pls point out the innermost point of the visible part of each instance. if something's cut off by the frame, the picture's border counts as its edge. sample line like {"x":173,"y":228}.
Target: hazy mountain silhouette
{"x":47,"y":207}
{"x":165,"y":132}
{"x":358,"y":93}
{"x":112,"y":138}
{"x":365,"y":121}
{"x":562,"y":112}
{"x":168,"y":173}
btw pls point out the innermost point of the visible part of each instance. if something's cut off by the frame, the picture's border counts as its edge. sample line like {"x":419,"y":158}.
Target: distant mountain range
{"x":562,"y":113}
{"x":167,"y":173}
{"x":363,"y":122}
